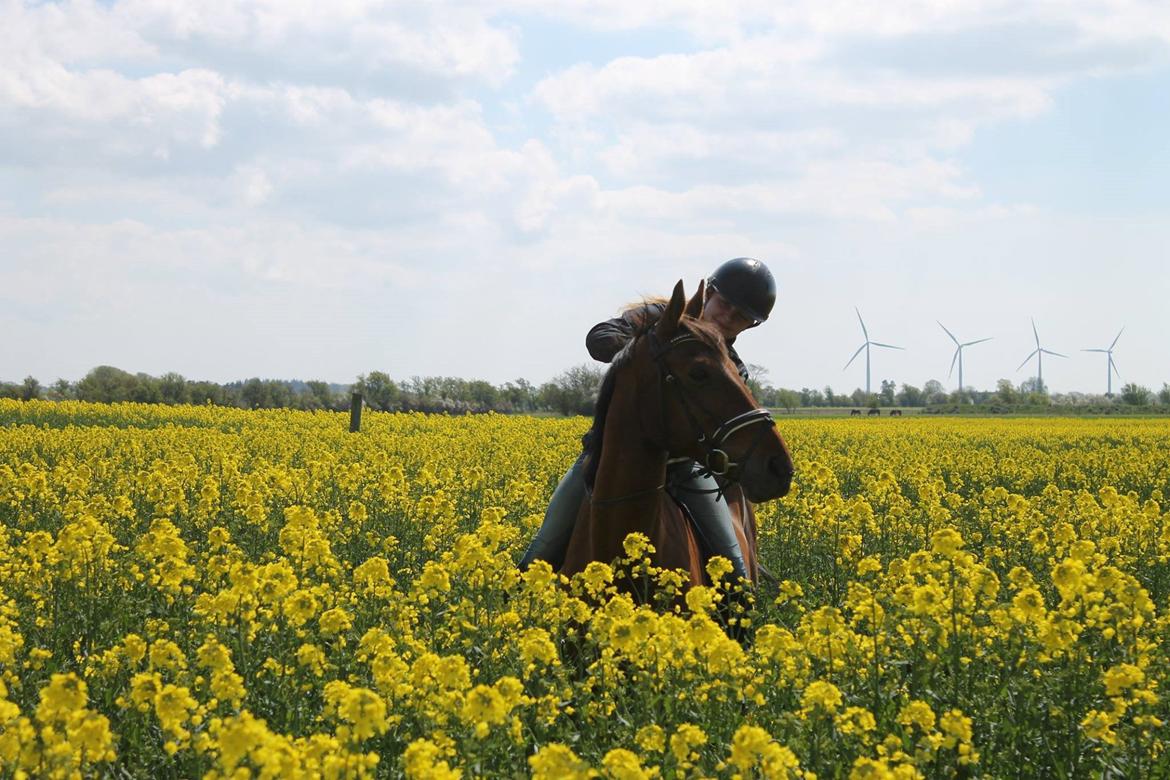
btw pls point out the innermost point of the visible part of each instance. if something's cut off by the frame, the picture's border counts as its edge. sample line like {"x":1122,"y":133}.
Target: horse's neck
{"x":628,"y":465}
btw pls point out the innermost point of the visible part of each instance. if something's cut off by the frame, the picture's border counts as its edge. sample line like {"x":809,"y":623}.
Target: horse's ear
{"x":695,"y":304}
{"x":668,"y":323}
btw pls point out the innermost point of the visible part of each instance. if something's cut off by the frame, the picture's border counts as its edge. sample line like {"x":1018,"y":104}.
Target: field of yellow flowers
{"x":206,"y":592}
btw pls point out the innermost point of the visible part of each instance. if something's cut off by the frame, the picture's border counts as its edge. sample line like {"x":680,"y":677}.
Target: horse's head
{"x":694,"y":402}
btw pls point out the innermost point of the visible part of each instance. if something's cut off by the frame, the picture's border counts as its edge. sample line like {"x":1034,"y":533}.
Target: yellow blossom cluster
{"x":206,"y":592}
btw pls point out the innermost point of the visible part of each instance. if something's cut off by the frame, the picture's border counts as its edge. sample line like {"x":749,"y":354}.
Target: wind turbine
{"x":959,"y":353}
{"x":1110,"y":367}
{"x":866,"y":347}
{"x":1039,"y":354}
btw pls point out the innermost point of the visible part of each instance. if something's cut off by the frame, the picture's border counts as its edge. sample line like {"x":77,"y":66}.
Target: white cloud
{"x":119,"y":116}
{"x":298,"y":165}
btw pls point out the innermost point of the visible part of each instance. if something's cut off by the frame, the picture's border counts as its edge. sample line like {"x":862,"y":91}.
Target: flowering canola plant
{"x":207,"y":592}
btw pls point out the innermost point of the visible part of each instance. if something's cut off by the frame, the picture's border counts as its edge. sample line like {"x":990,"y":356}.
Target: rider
{"x":740,"y":295}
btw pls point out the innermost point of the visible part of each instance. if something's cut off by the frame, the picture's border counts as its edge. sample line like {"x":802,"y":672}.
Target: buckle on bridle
{"x":718,"y":462}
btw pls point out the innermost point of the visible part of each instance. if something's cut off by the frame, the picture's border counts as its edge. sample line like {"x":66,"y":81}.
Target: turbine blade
{"x":1114,"y":367}
{"x":980,"y":341}
{"x":1095,"y":350}
{"x":1035,"y":333}
{"x":1050,"y":352}
{"x":1114,"y":344}
{"x":855,"y":354}
{"x":954,"y":360}
{"x":952,"y":335}
{"x":1027,"y":359}
{"x":887,"y":346}
{"x":863,"y":330}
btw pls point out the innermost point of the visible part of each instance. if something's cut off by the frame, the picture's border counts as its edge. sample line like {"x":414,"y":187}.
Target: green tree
{"x":173,"y":389}
{"x":106,"y":384}
{"x":1135,"y":395}
{"x":206,"y":392}
{"x":320,"y":396}
{"x":578,"y":388}
{"x":253,"y":395}
{"x":277,"y":394}
{"x":860,"y":398}
{"x":145,"y":389}
{"x":1005,"y":392}
{"x":1033,"y":386}
{"x":886,"y":396}
{"x":30,"y":389}
{"x":909,"y":396}
{"x":62,"y":390}
{"x":1164,"y":394}
{"x":518,"y":396}
{"x":933,"y":392}
{"x":787,"y":399}
{"x":811,"y":397}
{"x":379,"y":390}
{"x":482,"y":395}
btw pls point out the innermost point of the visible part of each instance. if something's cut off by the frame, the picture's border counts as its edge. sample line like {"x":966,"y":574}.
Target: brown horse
{"x":673,"y":391}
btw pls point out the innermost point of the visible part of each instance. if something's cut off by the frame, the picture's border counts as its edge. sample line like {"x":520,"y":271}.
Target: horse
{"x":895,"y":413}
{"x":872,"y":412}
{"x":855,"y":413}
{"x":673,"y":392}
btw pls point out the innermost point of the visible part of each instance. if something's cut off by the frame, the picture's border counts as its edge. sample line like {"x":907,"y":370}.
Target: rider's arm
{"x":606,"y":339}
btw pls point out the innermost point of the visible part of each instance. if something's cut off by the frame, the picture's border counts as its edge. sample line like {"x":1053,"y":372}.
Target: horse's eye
{"x":698,"y":373}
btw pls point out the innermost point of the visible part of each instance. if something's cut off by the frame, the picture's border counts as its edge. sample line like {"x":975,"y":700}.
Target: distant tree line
{"x":1006,"y":395}
{"x":571,"y":392}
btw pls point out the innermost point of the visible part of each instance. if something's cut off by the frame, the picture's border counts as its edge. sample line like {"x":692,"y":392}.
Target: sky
{"x":294,"y":189}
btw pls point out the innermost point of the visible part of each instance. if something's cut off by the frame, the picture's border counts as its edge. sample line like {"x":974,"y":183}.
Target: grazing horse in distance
{"x":855,"y":413}
{"x":872,"y":412}
{"x":895,"y":413}
{"x":673,"y":392}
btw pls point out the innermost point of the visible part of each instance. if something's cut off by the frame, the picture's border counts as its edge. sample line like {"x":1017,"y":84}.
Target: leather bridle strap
{"x":718,"y":462}
{"x":726,"y":468}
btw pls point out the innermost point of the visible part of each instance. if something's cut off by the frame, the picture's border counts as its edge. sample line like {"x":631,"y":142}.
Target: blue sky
{"x":464,"y":188}
{"x":1102,"y":149}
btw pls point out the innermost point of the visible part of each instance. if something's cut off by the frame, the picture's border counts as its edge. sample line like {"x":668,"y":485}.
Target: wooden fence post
{"x":355,"y":412}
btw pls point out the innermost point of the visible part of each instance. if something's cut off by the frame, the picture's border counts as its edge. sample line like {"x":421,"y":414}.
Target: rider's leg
{"x":712,"y":516}
{"x":552,"y":539}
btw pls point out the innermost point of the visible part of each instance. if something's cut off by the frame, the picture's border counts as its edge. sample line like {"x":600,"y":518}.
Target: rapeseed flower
{"x":187,"y":567}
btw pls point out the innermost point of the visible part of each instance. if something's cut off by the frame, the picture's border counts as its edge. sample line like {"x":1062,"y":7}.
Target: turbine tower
{"x":1110,"y":366}
{"x":959,"y":354}
{"x":1039,"y":354}
{"x":866,"y":347}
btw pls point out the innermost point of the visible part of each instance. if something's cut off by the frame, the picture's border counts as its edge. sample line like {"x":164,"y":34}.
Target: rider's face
{"x":730,"y":320}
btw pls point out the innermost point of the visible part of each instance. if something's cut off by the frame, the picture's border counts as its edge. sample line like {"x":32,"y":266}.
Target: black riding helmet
{"x":748,"y":285}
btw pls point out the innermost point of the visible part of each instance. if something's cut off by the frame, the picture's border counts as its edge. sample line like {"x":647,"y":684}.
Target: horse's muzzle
{"x":764,"y":480}
{"x":781,"y":467}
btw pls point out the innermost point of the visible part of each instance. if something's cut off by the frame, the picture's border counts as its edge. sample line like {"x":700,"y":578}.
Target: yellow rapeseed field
{"x":205,"y":592}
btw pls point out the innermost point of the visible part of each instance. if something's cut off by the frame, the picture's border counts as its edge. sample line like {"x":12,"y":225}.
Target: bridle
{"x":718,"y":462}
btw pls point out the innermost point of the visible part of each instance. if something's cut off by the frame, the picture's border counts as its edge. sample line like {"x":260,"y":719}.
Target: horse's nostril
{"x":781,"y":467}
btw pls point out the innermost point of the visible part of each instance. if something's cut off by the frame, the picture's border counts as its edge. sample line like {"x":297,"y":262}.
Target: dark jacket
{"x":606,"y":339}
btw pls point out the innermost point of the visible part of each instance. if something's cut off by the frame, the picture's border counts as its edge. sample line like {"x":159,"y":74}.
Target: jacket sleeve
{"x":606,"y":339}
